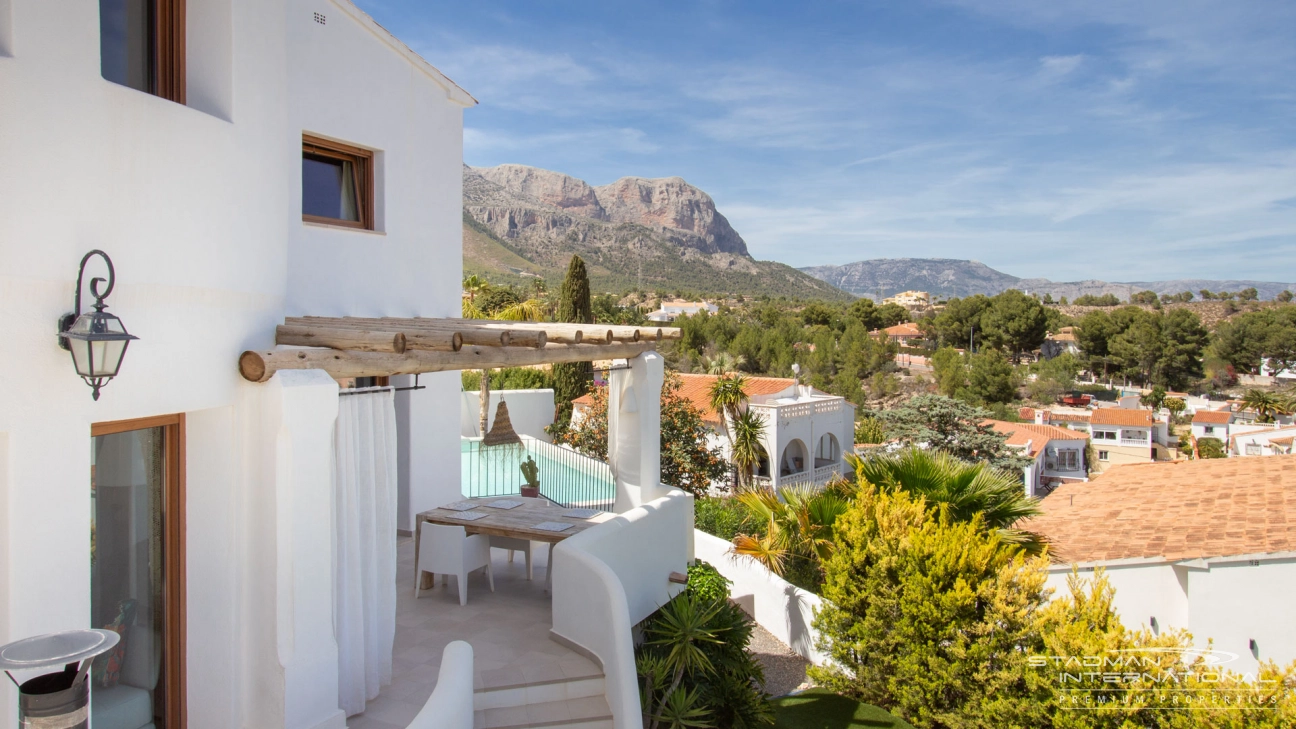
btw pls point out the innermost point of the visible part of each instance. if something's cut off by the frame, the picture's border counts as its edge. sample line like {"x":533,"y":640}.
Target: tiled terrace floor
{"x":508,"y":630}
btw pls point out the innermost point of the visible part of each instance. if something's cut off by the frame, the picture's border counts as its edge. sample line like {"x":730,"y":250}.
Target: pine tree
{"x":571,"y":380}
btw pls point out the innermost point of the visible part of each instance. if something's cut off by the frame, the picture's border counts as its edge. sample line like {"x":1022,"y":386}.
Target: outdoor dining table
{"x":519,"y":522}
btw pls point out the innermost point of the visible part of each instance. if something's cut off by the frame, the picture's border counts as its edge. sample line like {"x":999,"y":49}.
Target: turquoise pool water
{"x":566,"y":477}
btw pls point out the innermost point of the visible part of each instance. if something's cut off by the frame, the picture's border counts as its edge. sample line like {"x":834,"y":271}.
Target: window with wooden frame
{"x":142,"y":45}
{"x":137,"y":569}
{"x":337,"y":184}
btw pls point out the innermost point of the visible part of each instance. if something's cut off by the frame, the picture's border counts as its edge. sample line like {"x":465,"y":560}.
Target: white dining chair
{"x":448,"y":550}
{"x":514,"y":544}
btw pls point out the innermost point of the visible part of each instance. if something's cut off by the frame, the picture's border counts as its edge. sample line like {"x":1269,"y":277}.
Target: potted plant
{"x":531,"y":472}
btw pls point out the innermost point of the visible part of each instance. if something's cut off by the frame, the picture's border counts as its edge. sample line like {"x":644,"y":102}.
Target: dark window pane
{"x":126,"y":42}
{"x":328,"y":188}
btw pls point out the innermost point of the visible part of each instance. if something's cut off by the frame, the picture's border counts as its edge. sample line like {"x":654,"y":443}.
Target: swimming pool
{"x":566,"y":476}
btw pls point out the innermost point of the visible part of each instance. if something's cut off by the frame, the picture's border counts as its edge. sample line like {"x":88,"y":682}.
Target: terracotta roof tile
{"x":1214,"y":417}
{"x":1122,"y":416}
{"x":907,"y":329}
{"x":1019,"y":434}
{"x":1178,"y":510}
{"x":697,"y":388}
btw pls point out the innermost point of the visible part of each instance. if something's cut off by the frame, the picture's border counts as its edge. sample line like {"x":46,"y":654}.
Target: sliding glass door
{"x":136,"y":572}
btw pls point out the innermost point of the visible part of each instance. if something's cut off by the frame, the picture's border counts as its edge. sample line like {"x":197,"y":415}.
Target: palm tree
{"x":1266,"y":404}
{"x":965,"y":489}
{"x":798,"y":524}
{"x":724,"y":363}
{"x":473,"y":286}
{"x":748,"y":450}
{"x":728,"y":394}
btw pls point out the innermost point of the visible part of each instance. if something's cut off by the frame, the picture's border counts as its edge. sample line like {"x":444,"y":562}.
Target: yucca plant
{"x":748,"y":450}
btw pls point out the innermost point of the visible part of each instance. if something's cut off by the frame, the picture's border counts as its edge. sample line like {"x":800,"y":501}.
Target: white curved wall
{"x":614,"y":575}
{"x":451,"y":704}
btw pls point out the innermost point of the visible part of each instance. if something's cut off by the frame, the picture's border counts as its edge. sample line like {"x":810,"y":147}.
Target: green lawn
{"x":820,"y":709}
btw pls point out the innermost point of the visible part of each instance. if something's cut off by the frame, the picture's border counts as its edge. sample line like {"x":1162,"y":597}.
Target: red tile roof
{"x":1175,"y":510}
{"x":1214,"y":417}
{"x":1019,"y":434}
{"x":907,"y":329}
{"x":697,"y":388}
{"x":1122,"y":416}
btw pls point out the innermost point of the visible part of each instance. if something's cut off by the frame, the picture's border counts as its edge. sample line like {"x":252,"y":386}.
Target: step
{"x":590,"y":712}
{"x":539,"y":692}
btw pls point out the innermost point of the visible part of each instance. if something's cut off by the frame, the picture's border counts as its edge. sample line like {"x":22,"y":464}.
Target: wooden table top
{"x":517,"y":522}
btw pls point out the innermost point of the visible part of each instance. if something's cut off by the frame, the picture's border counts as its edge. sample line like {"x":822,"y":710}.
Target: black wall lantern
{"x":97,"y":340}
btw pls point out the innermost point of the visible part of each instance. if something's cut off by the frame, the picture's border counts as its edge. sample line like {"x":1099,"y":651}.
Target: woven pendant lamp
{"x":501,"y":432}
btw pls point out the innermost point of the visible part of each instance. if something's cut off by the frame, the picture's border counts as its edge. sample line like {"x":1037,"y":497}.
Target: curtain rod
{"x":366,"y":390}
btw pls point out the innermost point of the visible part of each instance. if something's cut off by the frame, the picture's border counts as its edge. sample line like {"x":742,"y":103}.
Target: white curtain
{"x":365,"y":513}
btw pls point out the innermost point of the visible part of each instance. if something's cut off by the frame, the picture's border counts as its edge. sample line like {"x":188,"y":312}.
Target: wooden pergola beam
{"x":259,"y":366}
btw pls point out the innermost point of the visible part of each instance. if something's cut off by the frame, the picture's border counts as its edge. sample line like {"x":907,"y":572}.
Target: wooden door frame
{"x":173,"y":549}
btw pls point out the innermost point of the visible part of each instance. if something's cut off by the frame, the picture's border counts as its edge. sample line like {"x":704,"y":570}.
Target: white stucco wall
{"x":777,"y":605}
{"x":1228,"y":600}
{"x":199,"y":207}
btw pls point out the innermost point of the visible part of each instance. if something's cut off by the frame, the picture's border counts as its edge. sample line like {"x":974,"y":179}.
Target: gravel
{"x":785,"y":671}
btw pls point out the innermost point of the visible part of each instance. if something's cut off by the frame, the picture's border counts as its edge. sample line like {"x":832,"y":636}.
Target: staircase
{"x":573,"y":700}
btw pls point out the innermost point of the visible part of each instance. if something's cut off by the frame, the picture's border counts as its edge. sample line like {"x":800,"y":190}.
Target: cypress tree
{"x":571,"y":380}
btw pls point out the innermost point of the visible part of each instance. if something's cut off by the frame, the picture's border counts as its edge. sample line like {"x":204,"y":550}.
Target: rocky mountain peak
{"x":564,"y":192}
{"x":669,"y":202}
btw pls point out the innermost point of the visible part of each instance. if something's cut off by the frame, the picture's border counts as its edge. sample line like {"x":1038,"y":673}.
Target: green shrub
{"x":706,"y":582}
{"x":724,"y":517}
{"x":870,"y":430}
{"x":1211,"y":448}
{"x":929,"y":618}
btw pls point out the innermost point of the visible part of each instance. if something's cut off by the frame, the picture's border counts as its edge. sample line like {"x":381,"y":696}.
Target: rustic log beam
{"x":358,"y":340}
{"x":413,"y":329}
{"x":557,"y":332}
{"x":259,"y":366}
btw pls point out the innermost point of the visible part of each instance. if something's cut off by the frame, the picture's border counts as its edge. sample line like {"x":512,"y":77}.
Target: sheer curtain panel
{"x":365,"y":513}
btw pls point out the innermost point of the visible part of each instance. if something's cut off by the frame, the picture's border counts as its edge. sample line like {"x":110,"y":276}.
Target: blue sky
{"x":1067,"y":139}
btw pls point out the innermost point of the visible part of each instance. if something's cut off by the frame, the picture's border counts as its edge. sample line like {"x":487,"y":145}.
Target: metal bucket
{"x":55,"y":701}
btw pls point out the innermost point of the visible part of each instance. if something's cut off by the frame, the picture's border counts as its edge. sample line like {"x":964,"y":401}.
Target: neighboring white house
{"x":1212,"y":424}
{"x":1057,"y":454}
{"x":1207,"y":545}
{"x":672,"y":310}
{"x":1128,"y":435}
{"x":1267,"y":441}
{"x":1063,"y":341}
{"x":905,"y":334}
{"x":797,"y":418}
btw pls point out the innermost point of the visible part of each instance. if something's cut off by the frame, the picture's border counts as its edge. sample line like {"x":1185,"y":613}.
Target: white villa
{"x":1057,"y":455}
{"x":235,"y":499}
{"x":673,"y":309}
{"x":797,"y":418}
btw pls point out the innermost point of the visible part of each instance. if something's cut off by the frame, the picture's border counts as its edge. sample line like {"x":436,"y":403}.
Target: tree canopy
{"x":935,"y":421}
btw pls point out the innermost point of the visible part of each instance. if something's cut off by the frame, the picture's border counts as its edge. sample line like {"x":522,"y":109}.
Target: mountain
{"x":946,"y":276}
{"x":655,"y":233}
{"x":955,"y":277}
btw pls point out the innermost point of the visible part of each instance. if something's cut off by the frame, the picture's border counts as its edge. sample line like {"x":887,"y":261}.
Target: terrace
{"x":556,"y":648}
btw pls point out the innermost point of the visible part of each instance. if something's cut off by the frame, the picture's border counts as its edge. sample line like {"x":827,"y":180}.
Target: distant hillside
{"x":658,"y":234}
{"x":954,"y":277}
